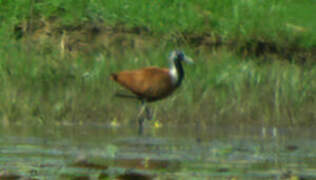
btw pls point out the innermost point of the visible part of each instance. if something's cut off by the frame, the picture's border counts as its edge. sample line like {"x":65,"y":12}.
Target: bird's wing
{"x":146,"y":82}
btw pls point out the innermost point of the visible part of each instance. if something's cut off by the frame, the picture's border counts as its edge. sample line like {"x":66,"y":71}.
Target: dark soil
{"x":94,"y":37}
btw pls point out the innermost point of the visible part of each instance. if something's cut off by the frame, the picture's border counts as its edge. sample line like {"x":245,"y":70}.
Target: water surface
{"x":97,"y":151}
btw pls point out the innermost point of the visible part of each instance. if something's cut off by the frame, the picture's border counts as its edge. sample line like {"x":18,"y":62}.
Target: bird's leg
{"x":149,"y":113}
{"x":140,"y":126}
{"x":145,"y":109}
{"x":142,"y":109}
{"x":141,"y":118}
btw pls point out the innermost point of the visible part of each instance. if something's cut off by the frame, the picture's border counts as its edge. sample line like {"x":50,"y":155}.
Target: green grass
{"x":40,"y":84}
{"x":219,"y":88}
{"x":285,"y":23}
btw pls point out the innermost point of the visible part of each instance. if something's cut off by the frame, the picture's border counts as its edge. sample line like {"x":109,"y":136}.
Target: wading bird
{"x":150,"y":84}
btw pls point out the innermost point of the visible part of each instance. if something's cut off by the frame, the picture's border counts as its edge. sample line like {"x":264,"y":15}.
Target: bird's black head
{"x":179,"y":56}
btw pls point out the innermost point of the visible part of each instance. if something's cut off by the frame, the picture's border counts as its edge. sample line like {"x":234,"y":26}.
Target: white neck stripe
{"x":173,"y":73}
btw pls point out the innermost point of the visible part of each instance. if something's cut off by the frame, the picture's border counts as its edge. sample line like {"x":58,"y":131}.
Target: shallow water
{"x":97,"y":151}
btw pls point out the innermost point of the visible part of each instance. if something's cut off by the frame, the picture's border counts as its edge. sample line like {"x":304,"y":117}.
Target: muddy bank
{"x":96,"y":37}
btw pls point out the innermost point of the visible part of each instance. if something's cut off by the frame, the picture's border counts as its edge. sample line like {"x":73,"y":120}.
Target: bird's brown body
{"x":149,"y":84}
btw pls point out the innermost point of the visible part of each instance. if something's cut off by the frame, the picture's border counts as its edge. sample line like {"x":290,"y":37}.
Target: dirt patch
{"x":83,"y":38}
{"x":96,"y":37}
{"x":252,"y":47}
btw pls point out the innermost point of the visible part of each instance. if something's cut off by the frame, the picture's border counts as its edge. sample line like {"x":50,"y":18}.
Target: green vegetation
{"x":284,"y":23}
{"x":219,"y":88}
{"x":254,"y":59}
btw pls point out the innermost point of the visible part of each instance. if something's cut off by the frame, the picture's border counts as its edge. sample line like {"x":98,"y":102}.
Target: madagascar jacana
{"x":152,"y":83}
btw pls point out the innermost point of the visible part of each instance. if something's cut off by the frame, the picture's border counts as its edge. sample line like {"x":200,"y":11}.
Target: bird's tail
{"x":113,"y":77}
{"x":122,"y":94}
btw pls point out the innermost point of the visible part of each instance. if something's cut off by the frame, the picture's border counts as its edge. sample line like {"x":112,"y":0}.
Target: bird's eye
{"x":181,"y":56}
